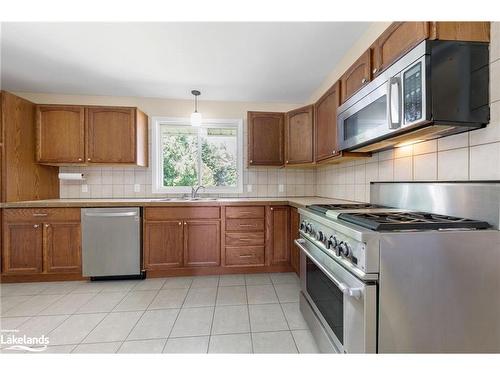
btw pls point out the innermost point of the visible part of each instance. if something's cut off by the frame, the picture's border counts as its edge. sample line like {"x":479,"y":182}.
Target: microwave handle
{"x":393,"y":108}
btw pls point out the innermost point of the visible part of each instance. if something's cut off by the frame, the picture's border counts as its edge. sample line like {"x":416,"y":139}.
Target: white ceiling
{"x":276,"y":62}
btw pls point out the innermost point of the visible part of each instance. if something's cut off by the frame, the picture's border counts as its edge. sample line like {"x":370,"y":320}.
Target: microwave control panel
{"x":412,"y":93}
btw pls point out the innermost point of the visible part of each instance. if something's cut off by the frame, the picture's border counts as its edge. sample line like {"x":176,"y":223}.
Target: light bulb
{"x":195,"y":119}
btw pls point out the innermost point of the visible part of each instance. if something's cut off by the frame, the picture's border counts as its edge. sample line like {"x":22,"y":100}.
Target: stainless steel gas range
{"x":378,"y":279}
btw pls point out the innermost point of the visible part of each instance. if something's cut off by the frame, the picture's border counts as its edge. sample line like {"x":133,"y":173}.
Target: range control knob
{"x":320,"y":236}
{"x":332,"y":242}
{"x":309,"y":228}
{"x":303,"y":225}
{"x":344,"y":249}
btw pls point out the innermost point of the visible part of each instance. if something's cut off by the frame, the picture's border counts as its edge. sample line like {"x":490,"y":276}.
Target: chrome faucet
{"x":194,"y":191}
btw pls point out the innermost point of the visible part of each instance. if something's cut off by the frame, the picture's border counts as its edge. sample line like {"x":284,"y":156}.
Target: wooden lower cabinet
{"x":62,"y":247}
{"x":46,"y":242}
{"x":202,"y":243}
{"x":278,"y":233}
{"x":22,"y":250}
{"x":163,"y":244}
{"x":294,"y":234}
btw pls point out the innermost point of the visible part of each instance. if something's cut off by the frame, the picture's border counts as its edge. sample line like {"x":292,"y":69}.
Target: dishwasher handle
{"x":111,"y":214}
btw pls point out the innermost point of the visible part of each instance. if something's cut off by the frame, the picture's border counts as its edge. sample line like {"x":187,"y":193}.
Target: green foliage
{"x":180,"y":153}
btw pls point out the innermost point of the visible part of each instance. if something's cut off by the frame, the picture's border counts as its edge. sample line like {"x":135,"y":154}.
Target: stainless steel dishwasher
{"x":111,"y":242}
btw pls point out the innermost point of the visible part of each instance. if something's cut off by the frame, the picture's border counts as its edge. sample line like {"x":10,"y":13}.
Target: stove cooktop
{"x":408,"y":220}
{"x":324,"y":208}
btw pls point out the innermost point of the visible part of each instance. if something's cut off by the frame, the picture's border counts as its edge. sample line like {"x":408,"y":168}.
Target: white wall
{"x":468,"y":156}
{"x":118,"y":182}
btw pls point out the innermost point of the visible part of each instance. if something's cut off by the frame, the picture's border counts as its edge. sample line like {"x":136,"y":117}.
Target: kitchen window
{"x":208,"y":155}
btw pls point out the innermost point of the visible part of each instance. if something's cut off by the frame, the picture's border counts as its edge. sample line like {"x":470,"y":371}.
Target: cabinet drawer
{"x":167,"y":213}
{"x":240,"y":225}
{"x":245,"y":212}
{"x":240,"y":256}
{"x":244,"y":239}
{"x":41,"y":214}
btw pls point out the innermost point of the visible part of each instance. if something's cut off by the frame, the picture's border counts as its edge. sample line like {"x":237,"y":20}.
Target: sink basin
{"x":183,"y":199}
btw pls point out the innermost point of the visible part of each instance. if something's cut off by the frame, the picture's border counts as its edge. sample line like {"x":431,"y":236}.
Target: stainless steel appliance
{"x":388,"y":280}
{"x":111,"y":242}
{"x":437,"y":89}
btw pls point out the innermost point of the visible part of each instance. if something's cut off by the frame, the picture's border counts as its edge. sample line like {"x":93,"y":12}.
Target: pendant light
{"x":195,"y":116}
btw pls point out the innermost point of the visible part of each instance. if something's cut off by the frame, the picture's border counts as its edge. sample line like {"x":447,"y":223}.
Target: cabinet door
{"x":163,"y":244}
{"x":22,"y":250}
{"x":60,"y":134}
{"x":111,"y":135}
{"x":299,"y":136}
{"x":357,"y":76}
{"x":279,"y":234}
{"x":399,"y":38}
{"x":294,"y":234}
{"x":325,"y":116}
{"x":202,"y":243}
{"x":465,"y":31}
{"x":265,"y":138}
{"x":62,"y":248}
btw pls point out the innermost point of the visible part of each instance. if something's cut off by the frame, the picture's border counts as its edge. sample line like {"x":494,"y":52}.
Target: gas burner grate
{"x":393,"y":221}
{"x":323,"y":208}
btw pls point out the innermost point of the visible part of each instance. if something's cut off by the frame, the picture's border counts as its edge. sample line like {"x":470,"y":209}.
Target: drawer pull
{"x":36,"y":226}
{"x":40,"y":214}
{"x":247,"y":256}
{"x":247,"y":225}
{"x":47,"y":225}
{"x":245,"y":239}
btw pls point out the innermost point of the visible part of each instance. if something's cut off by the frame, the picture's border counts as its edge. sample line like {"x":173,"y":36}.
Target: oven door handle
{"x":351,"y":292}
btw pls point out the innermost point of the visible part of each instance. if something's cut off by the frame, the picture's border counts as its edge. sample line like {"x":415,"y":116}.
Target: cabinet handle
{"x":334,"y":151}
{"x":247,"y":225}
{"x":247,"y":256}
{"x":40,"y":214}
{"x":88,"y":159}
{"x":79,"y":159}
{"x":272,"y":209}
{"x":185,"y":223}
{"x":36,"y":226}
{"x":47,"y":225}
{"x":251,"y":161}
{"x":245,"y":239}
{"x":286,"y":161}
{"x":375,"y":70}
{"x":180,"y":222}
{"x":363,"y":80}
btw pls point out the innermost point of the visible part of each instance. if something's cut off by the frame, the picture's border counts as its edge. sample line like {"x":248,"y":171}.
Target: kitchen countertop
{"x":298,"y":202}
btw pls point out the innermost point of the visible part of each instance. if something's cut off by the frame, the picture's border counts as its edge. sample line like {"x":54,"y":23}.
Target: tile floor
{"x":257,"y":313}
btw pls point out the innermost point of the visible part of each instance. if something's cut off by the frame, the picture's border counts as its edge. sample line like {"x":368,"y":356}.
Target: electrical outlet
{"x":249,"y":188}
{"x":85,"y":188}
{"x":137,"y":188}
{"x":281,"y":188}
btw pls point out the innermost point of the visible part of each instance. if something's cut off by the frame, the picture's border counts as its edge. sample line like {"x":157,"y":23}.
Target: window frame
{"x":157,"y":161}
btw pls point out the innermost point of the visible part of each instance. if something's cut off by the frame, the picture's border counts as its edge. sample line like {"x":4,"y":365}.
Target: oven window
{"x":370,"y":122}
{"x":327,"y":298}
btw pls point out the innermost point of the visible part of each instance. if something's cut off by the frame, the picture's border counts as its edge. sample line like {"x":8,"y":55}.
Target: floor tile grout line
{"x":249,"y":321}
{"x":138,"y":320}
{"x":213,"y":317}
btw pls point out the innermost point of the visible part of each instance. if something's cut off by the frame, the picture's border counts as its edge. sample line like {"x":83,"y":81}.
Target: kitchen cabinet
{"x":357,"y":76}
{"x":202,"y":243}
{"x":299,"y":136}
{"x":294,"y":234}
{"x":399,"y":38}
{"x":265,"y":138}
{"x":244,"y":236}
{"x":163,"y":244}
{"x":176,"y":237}
{"x":470,"y":31}
{"x":91,"y":135}
{"x":41,"y":241}
{"x":325,"y":117}
{"x":278,"y":234}
{"x":60,"y":134}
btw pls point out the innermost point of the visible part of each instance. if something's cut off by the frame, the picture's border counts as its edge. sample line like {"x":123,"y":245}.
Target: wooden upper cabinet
{"x":357,"y":76}
{"x":299,"y":136}
{"x":86,"y":135}
{"x":112,"y":135}
{"x":325,"y":117}
{"x":22,"y":248}
{"x":202,"y":243}
{"x":163,"y":244}
{"x":399,"y":38}
{"x":60,"y":134}
{"x":265,"y":138}
{"x":62,"y":247}
{"x":469,"y":31}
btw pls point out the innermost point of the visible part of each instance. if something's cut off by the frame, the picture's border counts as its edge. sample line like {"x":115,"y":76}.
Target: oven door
{"x":343,"y":306}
